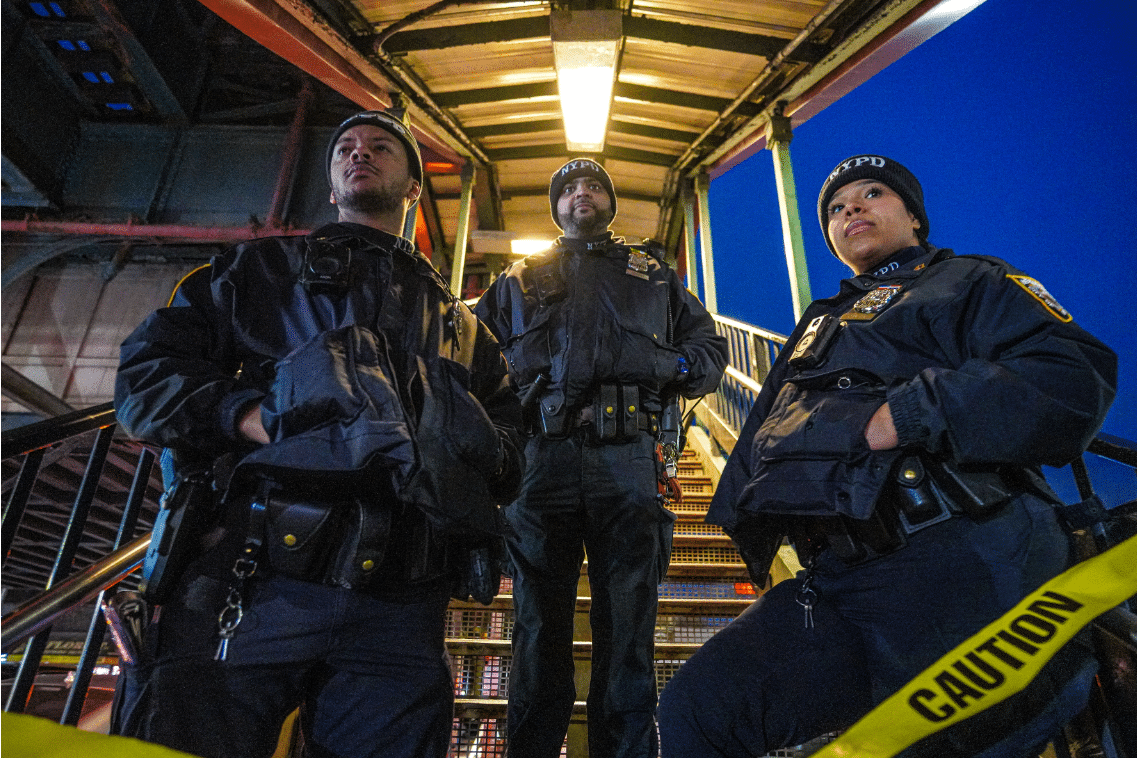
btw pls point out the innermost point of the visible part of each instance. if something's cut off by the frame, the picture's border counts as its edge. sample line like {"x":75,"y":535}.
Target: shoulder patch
{"x":1039,"y":293}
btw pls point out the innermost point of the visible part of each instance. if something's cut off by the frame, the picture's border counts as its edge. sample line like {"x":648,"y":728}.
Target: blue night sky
{"x":1020,"y":121}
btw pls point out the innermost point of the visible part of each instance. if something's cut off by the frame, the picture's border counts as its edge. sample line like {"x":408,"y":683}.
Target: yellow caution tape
{"x":995,"y":663}
{"x":34,"y":737}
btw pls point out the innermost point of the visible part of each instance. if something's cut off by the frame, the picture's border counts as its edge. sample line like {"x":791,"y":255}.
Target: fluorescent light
{"x":528,"y":246}
{"x":585,"y":47}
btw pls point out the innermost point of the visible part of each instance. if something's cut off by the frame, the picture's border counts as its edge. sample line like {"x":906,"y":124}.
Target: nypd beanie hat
{"x":575,"y":168}
{"x":389,"y":123}
{"x":884,"y":170}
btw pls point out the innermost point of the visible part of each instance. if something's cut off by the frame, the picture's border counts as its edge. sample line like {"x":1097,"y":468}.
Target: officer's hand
{"x":251,"y":427}
{"x":881,"y":432}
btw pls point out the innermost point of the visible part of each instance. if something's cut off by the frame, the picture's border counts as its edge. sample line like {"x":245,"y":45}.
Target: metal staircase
{"x":706,"y":586}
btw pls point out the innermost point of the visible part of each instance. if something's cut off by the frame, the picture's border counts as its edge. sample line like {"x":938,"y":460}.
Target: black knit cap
{"x":575,"y":168}
{"x":389,"y":122}
{"x":884,"y":170}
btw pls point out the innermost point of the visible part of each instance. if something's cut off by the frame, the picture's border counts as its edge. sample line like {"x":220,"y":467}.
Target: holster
{"x":186,"y":511}
{"x":977,"y":492}
{"x":338,"y":543}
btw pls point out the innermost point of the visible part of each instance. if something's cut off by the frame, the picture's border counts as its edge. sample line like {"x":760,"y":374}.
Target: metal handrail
{"x":38,"y":613}
{"x":24,"y":439}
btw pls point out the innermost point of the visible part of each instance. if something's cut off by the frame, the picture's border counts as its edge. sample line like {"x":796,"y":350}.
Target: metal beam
{"x":438,"y":37}
{"x":291,"y":29}
{"x":516,"y":127}
{"x":558,"y":150}
{"x":456,"y":98}
{"x":715,"y":39}
{"x":647,"y":94}
{"x":537,"y":27}
{"x":146,"y":76}
{"x":555,"y":124}
{"x":27,"y":393}
{"x":653,"y":132}
{"x":640,"y":92}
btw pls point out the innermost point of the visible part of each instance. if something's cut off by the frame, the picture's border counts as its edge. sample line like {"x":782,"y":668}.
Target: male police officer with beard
{"x":897,"y":442}
{"x":598,"y":335}
{"x":340,"y":427}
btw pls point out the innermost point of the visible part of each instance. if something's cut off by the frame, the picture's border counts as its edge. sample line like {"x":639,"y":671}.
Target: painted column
{"x":778,"y":139}
{"x":702,"y":184}
{"x":462,"y":236}
{"x":689,"y":236}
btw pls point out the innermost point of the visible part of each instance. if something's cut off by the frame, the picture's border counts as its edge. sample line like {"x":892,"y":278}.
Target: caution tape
{"x":995,"y":663}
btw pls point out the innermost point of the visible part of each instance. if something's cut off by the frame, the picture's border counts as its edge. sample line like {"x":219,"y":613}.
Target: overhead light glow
{"x":528,"y":246}
{"x":585,"y":47}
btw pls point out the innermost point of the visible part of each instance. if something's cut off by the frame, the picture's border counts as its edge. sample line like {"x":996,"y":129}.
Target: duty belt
{"x":614,"y":415}
{"x":913,"y":502}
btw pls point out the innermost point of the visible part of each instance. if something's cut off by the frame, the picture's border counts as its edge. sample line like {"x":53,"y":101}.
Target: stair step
{"x":580,"y":648}
{"x":667,"y":605}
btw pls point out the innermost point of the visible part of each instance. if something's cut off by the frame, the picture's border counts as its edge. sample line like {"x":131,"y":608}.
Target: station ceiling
{"x":696,"y":84}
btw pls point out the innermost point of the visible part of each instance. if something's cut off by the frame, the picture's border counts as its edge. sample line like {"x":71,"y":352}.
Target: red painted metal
{"x":291,"y":30}
{"x":290,"y":159}
{"x":158,"y":232}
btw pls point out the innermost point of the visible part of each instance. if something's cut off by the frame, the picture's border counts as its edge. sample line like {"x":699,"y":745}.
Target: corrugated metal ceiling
{"x":692,"y":76}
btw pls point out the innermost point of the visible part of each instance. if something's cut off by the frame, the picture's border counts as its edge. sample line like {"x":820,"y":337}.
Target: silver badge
{"x":638,"y":264}
{"x":877,"y":300}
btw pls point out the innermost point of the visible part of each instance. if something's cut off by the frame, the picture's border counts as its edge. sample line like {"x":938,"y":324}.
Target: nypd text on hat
{"x":873,"y":160}
{"x":574,"y":165}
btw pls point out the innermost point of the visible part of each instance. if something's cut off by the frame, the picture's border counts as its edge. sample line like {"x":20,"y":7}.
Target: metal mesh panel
{"x":684,"y":528}
{"x":481,"y":738}
{"x":664,"y":670}
{"x":685,"y":554}
{"x":707,"y":590}
{"x":690,"y":629}
{"x":477,"y":738}
{"x":481,"y":676}
{"x":479,"y":624}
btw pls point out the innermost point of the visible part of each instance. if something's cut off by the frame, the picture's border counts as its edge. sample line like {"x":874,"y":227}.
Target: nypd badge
{"x":873,"y":303}
{"x":1039,"y":293}
{"x":638,"y":264}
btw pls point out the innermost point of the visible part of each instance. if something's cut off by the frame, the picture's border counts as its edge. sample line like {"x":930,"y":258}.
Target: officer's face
{"x":584,"y":208}
{"x":868,"y":222}
{"x":369,"y":171}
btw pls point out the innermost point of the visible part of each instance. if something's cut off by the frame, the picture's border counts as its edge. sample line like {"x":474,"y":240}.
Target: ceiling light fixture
{"x":586,"y":45}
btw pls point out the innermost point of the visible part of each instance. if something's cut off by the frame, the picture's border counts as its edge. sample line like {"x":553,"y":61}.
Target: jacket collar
{"x":369,"y":234}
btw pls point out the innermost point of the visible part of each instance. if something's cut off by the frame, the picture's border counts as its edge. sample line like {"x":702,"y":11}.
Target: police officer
{"x":303,"y":386}
{"x":599,"y":335}
{"x":897,"y":442}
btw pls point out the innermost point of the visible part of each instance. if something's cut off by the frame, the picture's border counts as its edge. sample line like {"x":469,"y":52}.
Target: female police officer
{"x":897,"y":443}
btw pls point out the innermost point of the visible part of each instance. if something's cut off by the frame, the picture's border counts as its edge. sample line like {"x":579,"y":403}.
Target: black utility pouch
{"x":554,"y":416}
{"x":299,"y":535}
{"x":977,"y":492}
{"x":363,"y":546}
{"x":607,"y":413}
{"x":616,"y":412}
{"x":918,"y":503}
